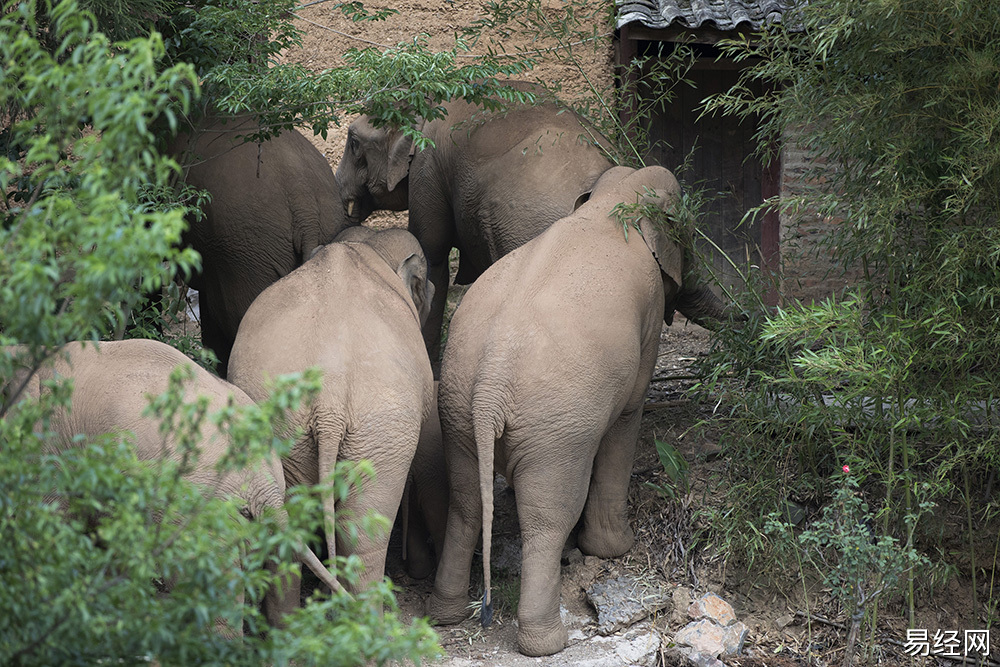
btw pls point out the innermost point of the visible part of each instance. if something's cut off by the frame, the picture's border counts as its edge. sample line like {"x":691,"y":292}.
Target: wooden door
{"x":719,"y":152}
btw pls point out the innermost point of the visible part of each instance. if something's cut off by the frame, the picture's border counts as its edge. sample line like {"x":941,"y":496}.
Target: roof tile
{"x":720,"y":14}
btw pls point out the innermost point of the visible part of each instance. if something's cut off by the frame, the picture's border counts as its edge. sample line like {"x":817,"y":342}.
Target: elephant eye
{"x":353,"y":141}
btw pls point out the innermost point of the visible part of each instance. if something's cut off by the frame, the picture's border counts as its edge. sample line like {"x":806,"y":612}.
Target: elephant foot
{"x":605,"y":543}
{"x":536,"y":642}
{"x":448,"y":611}
{"x":420,"y":561}
{"x":419,"y":567}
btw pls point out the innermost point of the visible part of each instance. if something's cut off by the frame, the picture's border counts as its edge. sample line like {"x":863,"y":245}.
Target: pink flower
{"x":847,"y":468}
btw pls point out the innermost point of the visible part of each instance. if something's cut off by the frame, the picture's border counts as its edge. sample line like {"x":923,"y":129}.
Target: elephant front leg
{"x":438,"y":274}
{"x":213,"y":335}
{"x":606,"y":532}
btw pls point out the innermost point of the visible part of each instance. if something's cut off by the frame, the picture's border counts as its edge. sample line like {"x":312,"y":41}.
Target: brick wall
{"x":808,"y":271}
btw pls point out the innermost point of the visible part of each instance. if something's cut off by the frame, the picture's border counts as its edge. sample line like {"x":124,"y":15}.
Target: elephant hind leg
{"x":388,"y":441}
{"x":550,"y":499}
{"x":449,"y":601}
{"x":606,"y":532}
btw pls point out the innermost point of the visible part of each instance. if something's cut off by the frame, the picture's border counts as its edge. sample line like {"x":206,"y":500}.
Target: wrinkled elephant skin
{"x":272,"y":204}
{"x":492,"y":182}
{"x":111,"y":383}
{"x":548,"y":360}
{"x":354,"y":310}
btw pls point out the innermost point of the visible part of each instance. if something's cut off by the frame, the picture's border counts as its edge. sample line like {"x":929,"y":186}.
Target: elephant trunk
{"x":700,"y":305}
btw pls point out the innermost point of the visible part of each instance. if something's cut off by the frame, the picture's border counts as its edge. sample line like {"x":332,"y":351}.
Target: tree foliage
{"x":235,"y":48}
{"x":94,"y":538}
{"x":899,"y":104}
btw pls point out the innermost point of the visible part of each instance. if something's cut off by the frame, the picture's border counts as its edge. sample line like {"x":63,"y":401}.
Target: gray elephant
{"x":355,"y":311}
{"x":272,"y":204}
{"x":111,"y":383}
{"x":492,"y":182}
{"x":548,"y":360}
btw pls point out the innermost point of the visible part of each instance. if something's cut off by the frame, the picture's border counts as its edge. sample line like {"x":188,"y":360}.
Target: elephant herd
{"x":548,"y":356}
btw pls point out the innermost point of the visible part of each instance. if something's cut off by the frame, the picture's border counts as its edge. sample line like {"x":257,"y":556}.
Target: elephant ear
{"x":668,"y":253}
{"x":401,"y":149}
{"x":413,"y":273}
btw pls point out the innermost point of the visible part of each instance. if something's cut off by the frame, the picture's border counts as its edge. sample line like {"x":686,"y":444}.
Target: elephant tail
{"x":306,"y":555}
{"x":313,"y":562}
{"x":487,"y":426}
{"x":328,"y":435}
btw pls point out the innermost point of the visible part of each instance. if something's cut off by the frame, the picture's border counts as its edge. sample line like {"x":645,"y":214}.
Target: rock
{"x":783,"y":621}
{"x":708,"y":637}
{"x":702,"y":660}
{"x":703,"y":636}
{"x":713,"y":607}
{"x":682,"y":600}
{"x":639,"y":648}
{"x":572,"y":557}
{"x":624,"y":600}
{"x":794,"y":513}
{"x":733,"y":638}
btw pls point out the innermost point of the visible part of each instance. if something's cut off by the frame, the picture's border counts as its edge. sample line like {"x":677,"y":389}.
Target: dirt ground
{"x":663,"y":554}
{"x":328,"y":35}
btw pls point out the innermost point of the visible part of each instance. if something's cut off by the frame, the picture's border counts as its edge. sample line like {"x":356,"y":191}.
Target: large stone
{"x":709,"y":638}
{"x":713,"y":607}
{"x":682,"y":600}
{"x":624,"y":600}
{"x":733,"y":639}
{"x":703,"y":636}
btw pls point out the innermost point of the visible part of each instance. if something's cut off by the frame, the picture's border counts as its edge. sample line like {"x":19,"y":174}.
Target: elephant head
{"x":682,"y":291}
{"x":373,"y":172}
{"x":403,"y":254}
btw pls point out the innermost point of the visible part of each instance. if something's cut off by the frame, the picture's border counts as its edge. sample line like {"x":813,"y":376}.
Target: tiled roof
{"x":719,"y":14}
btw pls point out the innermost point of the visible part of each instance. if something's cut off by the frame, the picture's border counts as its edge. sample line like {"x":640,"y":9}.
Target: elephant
{"x":492,"y":182}
{"x":111,"y":382}
{"x":549,"y":356}
{"x":355,"y":311}
{"x":424,"y":511}
{"x":272,"y":204}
